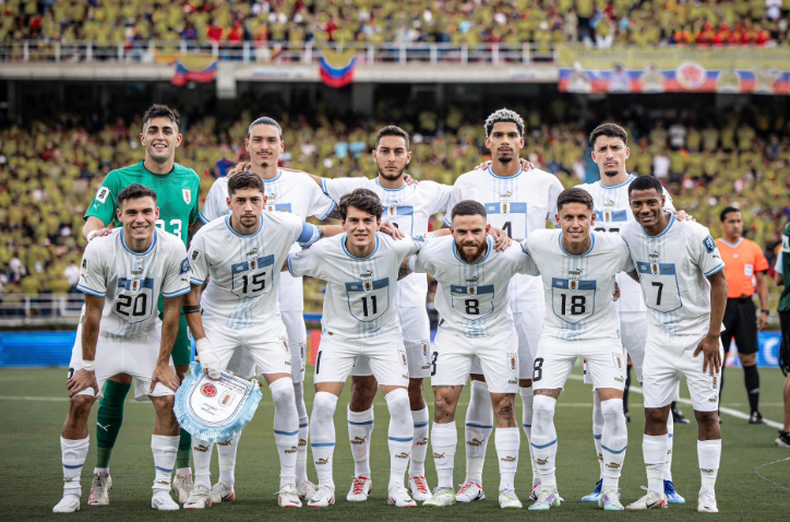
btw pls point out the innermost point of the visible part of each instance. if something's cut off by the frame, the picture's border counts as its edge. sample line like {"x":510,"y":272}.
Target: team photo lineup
{"x":531,"y":279}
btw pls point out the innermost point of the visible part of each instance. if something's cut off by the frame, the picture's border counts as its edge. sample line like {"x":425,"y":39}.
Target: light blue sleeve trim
{"x":195,"y":281}
{"x":329,"y":213}
{"x":715,"y":270}
{"x":91,"y":291}
{"x":290,"y":270}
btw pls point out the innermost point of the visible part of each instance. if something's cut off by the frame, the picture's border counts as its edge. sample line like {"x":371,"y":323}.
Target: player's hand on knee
{"x":240,"y":167}
{"x":82,"y":380}
{"x":208,"y":359}
{"x":709,"y":347}
{"x":392,"y":231}
{"x":165,"y":374}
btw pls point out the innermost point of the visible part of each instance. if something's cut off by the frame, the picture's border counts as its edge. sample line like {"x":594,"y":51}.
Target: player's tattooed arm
{"x":86,"y":376}
{"x":554,"y":394}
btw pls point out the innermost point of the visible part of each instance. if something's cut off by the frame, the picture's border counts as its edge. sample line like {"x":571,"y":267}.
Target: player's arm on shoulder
{"x":525,"y":264}
{"x":391,"y":230}
{"x":501,"y":240}
{"x":304,"y":263}
{"x":86,"y":376}
{"x":95,"y":227}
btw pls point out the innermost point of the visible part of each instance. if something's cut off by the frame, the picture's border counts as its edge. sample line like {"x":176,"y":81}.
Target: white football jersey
{"x":132,"y":282}
{"x":518,"y":204}
{"x":612,"y":211}
{"x":410,"y":208}
{"x":472,"y":298}
{"x":292,"y":192}
{"x":360,"y":292}
{"x":673,"y":269}
{"x":579,"y":288}
{"x":244,"y":270}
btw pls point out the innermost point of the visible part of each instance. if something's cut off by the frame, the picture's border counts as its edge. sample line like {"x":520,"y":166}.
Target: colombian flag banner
{"x":742,"y":69}
{"x":199,"y":69}
{"x":337,"y":68}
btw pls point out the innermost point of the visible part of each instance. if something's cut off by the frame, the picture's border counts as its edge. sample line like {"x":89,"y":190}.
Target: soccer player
{"x":291,"y":192}
{"x":123,"y":275}
{"x":243,"y":255}
{"x":782,"y":268}
{"x":578,"y":268}
{"x":518,"y":202}
{"x":473,"y":301}
{"x":178,"y":190}
{"x":681,"y":274}
{"x":743,"y":260}
{"x":409,"y":207}
{"x":610,"y":151}
{"x":359,"y":318}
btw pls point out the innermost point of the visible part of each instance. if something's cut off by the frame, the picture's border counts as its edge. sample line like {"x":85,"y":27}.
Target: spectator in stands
{"x":72,"y":274}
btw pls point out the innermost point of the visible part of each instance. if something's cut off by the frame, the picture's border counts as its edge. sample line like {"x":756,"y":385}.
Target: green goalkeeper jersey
{"x":784,"y":300}
{"x":177,"y":194}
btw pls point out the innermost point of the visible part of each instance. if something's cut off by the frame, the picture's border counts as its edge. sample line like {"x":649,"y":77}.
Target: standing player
{"x":359,"y":318}
{"x":178,"y":190}
{"x":578,"y":269}
{"x":409,"y":207}
{"x":123,"y":275}
{"x":610,"y":151}
{"x":518,"y":202}
{"x":743,"y":260}
{"x":473,"y":301}
{"x":681,"y":274}
{"x":782,"y":268}
{"x":295,"y":193}
{"x":243,"y":254}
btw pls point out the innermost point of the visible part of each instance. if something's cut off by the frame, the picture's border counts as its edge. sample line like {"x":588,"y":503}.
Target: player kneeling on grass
{"x":681,"y":273}
{"x":473,"y":300}
{"x":242,"y":255}
{"x":123,"y":274}
{"x":578,"y":269}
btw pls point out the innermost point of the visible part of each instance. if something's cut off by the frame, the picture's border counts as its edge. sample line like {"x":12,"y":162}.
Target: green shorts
{"x":182,"y":349}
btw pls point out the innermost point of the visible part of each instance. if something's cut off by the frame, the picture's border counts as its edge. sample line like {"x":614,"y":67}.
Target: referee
{"x":743,"y":262}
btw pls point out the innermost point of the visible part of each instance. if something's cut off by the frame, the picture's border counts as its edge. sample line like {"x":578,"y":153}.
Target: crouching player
{"x":123,"y":275}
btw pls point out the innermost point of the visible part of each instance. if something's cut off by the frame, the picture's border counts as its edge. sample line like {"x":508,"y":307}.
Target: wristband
{"x":88,"y":366}
{"x":91,"y":235}
{"x":765,"y":311}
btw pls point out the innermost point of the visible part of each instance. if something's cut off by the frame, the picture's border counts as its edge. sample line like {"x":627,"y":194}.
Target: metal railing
{"x":15,"y":307}
{"x":31,"y":51}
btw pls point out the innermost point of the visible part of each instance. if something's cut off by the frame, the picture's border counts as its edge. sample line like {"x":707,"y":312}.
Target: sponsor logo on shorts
{"x":712,"y":399}
{"x":542,"y":462}
{"x":508,"y":459}
{"x":293,"y":449}
{"x":619,"y":379}
{"x":321,"y":462}
{"x":614,"y":465}
{"x":423,"y":441}
{"x":208,"y":389}
{"x":359,"y":440}
{"x":402,"y":455}
{"x":512,"y":381}
{"x":405,"y":376}
{"x":474,"y":442}
{"x":438,"y":455}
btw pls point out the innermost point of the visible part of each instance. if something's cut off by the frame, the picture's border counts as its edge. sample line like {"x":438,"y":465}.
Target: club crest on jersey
{"x":136,"y":280}
{"x":367,"y":280}
{"x":654,"y":259}
{"x":512,"y":359}
{"x":607,"y":211}
{"x":252,"y":259}
{"x":392,"y":210}
{"x":471,"y":285}
{"x":504,"y":201}
{"x":187,"y":193}
{"x":573,"y":279}
{"x":271,"y":202}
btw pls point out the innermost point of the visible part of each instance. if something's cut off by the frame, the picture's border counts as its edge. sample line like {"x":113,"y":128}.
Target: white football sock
{"x":226,"y":454}
{"x":597,"y":428}
{"x":614,"y":441}
{"x":419,"y":447}
{"x":526,"y":423}
{"x":670,"y":446}
{"x":304,"y":432}
{"x":201,"y":459}
{"x":73,"y":455}
{"x":400,"y":434}
{"x":360,"y":426}
{"x":479,"y":423}
{"x":444,"y":440}
{"x":322,"y":436}
{"x":709,"y":456}
{"x":544,"y":439}
{"x":654,"y":450}
{"x":507,"y":442}
{"x":286,"y":428}
{"x":165,"y":450}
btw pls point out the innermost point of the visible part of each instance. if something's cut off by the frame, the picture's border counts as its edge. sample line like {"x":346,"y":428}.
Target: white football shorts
{"x":498,"y":360}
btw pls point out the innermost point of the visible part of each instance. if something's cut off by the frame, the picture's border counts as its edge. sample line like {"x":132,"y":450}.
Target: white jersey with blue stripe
{"x":244,"y":270}
{"x":360,"y":292}
{"x":473,"y":298}
{"x":673,"y":269}
{"x":131,"y":282}
{"x":518,"y":204}
{"x":410,"y":207}
{"x":579,"y":288}
{"x":612,"y":211}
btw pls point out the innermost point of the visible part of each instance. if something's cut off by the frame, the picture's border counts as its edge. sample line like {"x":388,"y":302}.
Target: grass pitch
{"x":33,"y":405}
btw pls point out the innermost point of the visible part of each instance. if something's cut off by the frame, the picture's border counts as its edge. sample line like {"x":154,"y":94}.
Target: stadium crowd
{"x":473,"y":22}
{"x":49,"y":173}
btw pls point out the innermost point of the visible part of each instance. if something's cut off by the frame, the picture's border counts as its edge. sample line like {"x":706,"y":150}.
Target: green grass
{"x":31,"y":481}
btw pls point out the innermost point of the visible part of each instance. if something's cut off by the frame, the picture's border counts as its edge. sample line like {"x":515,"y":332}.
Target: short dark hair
{"x":135,"y":191}
{"x":645,"y":182}
{"x":363,"y":199}
{"x":503,"y":116}
{"x":728,"y":210}
{"x":610,"y":130}
{"x":245,"y":180}
{"x":158,"y":110}
{"x":468,"y":207}
{"x":392,"y":130}
{"x":265,"y":120}
{"x":575,"y":195}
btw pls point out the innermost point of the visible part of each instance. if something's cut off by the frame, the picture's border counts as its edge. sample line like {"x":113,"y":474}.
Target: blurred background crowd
{"x":473,"y":22}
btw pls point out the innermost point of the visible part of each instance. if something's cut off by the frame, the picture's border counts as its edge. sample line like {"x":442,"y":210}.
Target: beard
{"x":505,"y":159}
{"x":474,"y":257}
{"x":611,"y":173}
{"x":391,"y":177}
